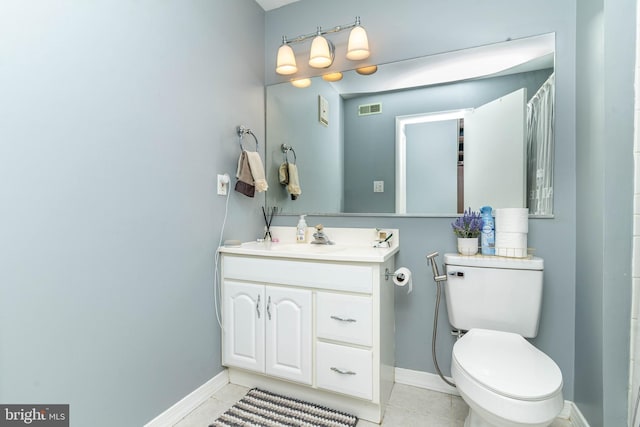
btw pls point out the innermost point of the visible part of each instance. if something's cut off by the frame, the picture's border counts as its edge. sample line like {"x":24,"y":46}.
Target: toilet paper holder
{"x":388,"y":273}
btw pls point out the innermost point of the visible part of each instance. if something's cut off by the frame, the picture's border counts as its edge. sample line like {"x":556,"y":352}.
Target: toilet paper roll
{"x":402,"y":277}
{"x":512,"y":220}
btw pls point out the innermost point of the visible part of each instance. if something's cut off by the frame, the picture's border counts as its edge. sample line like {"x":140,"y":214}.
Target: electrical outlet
{"x":378,"y":186}
{"x":223,"y":184}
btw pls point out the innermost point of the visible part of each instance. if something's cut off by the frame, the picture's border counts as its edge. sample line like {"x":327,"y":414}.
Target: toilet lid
{"x":507,"y":364}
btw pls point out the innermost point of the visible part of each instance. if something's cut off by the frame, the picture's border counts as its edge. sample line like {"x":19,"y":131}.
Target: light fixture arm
{"x":321,"y":32}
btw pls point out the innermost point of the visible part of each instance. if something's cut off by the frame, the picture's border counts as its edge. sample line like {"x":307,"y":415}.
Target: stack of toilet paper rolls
{"x":512,"y":226}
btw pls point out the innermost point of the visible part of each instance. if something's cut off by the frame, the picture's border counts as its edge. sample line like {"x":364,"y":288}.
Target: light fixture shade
{"x":358,"y":47}
{"x":365,"y":71}
{"x":332,"y":77}
{"x":301,"y":83}
{"x":321,"y":55}
{"x":286,"y":61}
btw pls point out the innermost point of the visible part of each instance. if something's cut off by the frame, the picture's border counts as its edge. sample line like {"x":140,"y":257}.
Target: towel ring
{"x":285,"y":152}
{"x":242,"y":131}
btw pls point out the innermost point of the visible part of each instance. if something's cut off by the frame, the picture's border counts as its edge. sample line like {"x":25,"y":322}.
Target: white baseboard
{"x":424,"y":380}
{"x":194,"y":399}
{"x":433,"y":382}
{"x":575,"y":416}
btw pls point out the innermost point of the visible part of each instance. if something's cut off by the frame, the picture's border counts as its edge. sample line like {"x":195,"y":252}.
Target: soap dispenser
{"x":301,"y":230}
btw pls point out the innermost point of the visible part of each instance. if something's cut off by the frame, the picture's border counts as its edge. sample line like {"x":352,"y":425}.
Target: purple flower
{"x":468,"y":225}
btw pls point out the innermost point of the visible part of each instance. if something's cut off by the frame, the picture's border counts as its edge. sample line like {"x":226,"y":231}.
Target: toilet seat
{"x":508,"y":365}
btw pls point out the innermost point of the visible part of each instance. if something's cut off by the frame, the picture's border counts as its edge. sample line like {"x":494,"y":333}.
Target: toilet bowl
{"x":505,"y":380}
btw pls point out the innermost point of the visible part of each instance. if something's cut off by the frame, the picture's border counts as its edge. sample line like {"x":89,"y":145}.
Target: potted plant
{"x":467,"y":229}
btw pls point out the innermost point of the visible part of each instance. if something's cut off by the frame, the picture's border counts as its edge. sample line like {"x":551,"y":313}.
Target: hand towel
{"x":257,"y":171}
{"x":294,"y":183}
{"x":244,"y":184}
{"x":283,"y":173}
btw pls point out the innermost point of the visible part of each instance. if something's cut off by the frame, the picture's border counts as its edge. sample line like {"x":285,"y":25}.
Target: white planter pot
{"x":468,"y":245}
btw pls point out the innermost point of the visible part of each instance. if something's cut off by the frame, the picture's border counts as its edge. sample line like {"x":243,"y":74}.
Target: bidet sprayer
{"x":434,"y":267}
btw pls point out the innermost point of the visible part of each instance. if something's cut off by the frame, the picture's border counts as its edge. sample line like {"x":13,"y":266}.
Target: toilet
{"x":504,"y":379}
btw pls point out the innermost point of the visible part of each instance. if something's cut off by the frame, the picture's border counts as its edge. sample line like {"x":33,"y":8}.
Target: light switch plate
{"x":378,"y":186}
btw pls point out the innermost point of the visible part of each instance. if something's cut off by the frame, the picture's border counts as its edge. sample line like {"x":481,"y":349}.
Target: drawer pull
{"x":340,"y":371}
{"x":258,"y":306}
{"x":343,"y":320}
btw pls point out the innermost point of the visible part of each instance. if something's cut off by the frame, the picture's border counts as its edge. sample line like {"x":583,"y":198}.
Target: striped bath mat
{"x":262,"y":408}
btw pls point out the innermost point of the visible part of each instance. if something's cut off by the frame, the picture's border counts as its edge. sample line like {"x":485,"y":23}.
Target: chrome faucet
{"x":319,"y":238}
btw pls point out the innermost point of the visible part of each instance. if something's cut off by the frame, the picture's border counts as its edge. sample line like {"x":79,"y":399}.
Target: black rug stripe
{"x":261,"y":408}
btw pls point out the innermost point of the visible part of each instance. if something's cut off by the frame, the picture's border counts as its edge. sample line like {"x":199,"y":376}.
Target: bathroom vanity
{"x":314,"y":322}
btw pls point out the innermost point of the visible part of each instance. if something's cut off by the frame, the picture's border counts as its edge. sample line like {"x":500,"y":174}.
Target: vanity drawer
{"x":344,"y":369}
{"x":346,"y":318}
{"x":309,"y":274}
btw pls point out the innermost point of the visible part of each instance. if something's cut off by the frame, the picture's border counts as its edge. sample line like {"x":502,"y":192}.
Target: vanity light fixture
{"x":366,"y":71}
{"x":332,"y":77}
{"x":301,"y":83}
{"x":286,"y":59}
{"x":322,"y":51}
{"x":358,"y":47}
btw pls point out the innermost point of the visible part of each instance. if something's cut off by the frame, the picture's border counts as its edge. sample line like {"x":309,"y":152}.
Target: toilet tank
{"x":491,"y":292}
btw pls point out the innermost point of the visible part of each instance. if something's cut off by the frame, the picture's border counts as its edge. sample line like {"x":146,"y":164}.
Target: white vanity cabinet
{"x":268,"y":330}
{"x":312,"y":328}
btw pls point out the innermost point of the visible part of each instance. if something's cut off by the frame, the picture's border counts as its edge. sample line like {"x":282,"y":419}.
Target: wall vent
{"x":367,"y":109}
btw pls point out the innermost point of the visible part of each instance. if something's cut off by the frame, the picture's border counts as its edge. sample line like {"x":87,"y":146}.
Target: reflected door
{"x":494,"y":153}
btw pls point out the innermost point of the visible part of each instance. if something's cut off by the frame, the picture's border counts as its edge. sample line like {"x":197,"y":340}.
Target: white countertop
{"x":351,"y":245}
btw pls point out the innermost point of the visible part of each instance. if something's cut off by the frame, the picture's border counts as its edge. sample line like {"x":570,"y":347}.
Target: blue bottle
{"x":487,"y":236}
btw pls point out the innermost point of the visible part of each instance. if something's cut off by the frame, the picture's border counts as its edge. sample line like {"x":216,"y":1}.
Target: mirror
{"x":406,"y":141}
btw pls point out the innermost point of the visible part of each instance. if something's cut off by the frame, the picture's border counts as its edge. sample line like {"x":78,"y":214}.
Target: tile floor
{"x":408,"y":407}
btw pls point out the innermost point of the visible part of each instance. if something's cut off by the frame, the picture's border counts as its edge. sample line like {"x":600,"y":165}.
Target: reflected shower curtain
{"x":540,"y":149}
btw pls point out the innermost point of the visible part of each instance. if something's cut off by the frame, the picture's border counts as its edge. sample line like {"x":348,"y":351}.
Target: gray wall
{"x":369,"y":149}
{"x":407,"y":29}
{"x":293,"y":117}
{"x":115,"y":117}
{"x":605,"y":87}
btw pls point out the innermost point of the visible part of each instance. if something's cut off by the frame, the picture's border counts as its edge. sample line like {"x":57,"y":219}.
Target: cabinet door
{"x":288,"y":332}
{"x":243,"y":320}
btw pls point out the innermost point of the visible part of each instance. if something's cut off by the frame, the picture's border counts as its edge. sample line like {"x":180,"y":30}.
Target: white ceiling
{"x":513,"y":56}
{"x":274,"y":4}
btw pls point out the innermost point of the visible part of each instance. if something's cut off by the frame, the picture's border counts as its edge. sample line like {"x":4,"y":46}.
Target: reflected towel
{"x":257,"y":171}
{"x":244,"y":184}
{"x":294,"y":183}
{"x":283,"y":173}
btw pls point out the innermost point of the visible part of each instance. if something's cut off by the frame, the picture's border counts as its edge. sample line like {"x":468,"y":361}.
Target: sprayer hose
{"x":435,"y":333}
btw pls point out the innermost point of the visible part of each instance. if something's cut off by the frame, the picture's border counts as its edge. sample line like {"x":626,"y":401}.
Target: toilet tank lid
{"x":490,"y":261}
